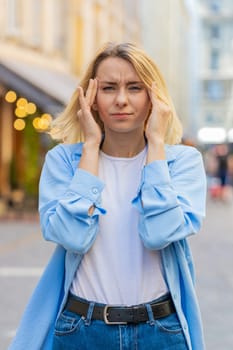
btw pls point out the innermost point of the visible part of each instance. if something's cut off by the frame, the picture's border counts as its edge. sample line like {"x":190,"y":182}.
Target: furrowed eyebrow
{"x":115,"y":83}
{"x":135,"y":82}
{"x":108,"y":82}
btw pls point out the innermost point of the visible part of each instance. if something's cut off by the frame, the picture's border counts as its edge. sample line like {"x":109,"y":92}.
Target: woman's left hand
{"x":157,"y":122}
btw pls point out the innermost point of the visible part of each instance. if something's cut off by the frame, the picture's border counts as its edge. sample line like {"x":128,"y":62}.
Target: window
{"x":209,"y":118}
{"x":215,"y":31}
{"x":212,"y":118}
{"x":214,"y":5}
{"x":61,"y":15}
{"x":215,"y":90}
{"x":13,"y":17}
{"x":36,"y":18}
{"x":214,"y":59}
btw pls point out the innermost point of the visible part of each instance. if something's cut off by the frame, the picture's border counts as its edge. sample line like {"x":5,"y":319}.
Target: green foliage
{"x":32,"y":156}
{"x":13,"y":174}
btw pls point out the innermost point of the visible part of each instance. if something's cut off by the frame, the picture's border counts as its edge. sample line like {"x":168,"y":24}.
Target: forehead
{"x":116,"y":68}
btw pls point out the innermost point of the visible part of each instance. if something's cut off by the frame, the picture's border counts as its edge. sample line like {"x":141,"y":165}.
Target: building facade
{"x":44,"y":47}
{"x":170,"y":30}
{"x":216,"y":71}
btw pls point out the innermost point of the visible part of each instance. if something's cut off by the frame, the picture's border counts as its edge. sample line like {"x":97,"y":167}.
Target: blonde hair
{"x":66,"y":126}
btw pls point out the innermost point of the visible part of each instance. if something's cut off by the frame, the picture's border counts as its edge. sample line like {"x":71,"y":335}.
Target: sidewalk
{"x":213,"y":256}
{"x":22,"y":216}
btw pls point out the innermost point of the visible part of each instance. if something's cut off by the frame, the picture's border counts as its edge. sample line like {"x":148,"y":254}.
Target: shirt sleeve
{"x":171,"y":201}
{"x":65,"y":198}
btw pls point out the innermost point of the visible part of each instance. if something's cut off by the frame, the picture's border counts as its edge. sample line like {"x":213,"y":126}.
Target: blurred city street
{"x":213,"y":256}
{"x":23,"y":255}
{"x":41,"y":66}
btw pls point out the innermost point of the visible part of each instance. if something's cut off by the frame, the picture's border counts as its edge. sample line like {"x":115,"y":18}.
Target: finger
{"x":94,"y":91}
{"x":157,"y":96}
{"x":153,"y":92}
{"x":82,"y":99}
{"x":89,"y":91}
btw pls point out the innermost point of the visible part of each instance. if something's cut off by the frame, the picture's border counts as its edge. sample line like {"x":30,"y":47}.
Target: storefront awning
{"x":49,"y":90}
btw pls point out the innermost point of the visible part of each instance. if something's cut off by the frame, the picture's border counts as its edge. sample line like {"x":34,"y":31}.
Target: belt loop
{"x":89,"y":313}
{"x":150,"y":314}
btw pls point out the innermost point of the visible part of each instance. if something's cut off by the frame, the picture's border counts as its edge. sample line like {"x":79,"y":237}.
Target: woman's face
{"x":122,"y":100}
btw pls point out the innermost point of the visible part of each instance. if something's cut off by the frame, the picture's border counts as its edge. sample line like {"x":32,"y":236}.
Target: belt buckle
{"x":106,"y":317}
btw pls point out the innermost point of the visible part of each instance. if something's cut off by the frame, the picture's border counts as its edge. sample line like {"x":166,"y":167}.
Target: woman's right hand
{"x":91,"y":130}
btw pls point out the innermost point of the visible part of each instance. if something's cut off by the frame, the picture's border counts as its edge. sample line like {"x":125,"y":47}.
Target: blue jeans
{"x":74,"y":332}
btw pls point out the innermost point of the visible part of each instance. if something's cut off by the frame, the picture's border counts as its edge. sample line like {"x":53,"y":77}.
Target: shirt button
{"x":95,"y":190}
{"x":174,"y":296}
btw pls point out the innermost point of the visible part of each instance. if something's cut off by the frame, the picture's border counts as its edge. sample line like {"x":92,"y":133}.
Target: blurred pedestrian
{"x":220,"y":187}
{"x":120,"y":207}
{"x":211,"y":168}
{"x":229,"y":179}
{"x":221,"y":152}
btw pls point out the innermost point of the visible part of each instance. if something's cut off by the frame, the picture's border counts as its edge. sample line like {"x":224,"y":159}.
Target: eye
{"x":108,"y":88}
{"x":135,"y":88}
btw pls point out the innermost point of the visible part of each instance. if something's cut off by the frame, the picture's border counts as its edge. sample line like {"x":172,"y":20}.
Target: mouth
{"x":121,"y":115}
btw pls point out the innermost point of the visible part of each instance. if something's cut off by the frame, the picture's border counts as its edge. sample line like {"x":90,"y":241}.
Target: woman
{"x":120,"y":206}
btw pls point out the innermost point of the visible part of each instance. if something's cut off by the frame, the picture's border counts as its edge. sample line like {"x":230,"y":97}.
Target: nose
{"x":121,"y":97}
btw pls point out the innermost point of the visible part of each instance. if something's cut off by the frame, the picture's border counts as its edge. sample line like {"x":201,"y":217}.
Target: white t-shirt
{"x":118,"y":269}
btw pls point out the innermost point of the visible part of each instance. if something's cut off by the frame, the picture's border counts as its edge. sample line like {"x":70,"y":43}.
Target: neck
{"x":123,"y":145}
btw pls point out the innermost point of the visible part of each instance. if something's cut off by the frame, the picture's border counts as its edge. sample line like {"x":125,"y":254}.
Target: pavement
{"x":24,"y":254}
{"x":213,"y":256}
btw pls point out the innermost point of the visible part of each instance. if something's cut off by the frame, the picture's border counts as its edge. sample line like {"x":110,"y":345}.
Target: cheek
{"x":143,"y":101}
{"x":146,"y":107}
{"x":101,"y":102}
{"x":100,"y":106}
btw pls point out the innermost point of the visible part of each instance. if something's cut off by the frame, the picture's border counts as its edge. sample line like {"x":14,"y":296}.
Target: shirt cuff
{"x":156,"y":173}
{"x":86,"y":185}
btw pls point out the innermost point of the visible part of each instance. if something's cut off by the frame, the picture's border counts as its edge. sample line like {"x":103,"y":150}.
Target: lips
{"x":120,"y":115}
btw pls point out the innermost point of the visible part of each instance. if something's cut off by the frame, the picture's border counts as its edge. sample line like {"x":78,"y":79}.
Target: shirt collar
{"x":169,"y":149}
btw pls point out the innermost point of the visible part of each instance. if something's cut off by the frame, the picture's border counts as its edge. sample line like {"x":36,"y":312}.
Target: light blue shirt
{"x":171,"y":204}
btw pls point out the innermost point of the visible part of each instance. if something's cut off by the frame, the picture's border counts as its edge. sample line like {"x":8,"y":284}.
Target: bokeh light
{"x":47,"y":116}
{"x":19,"y":124}
{"x":30,"y":108}
{"x":22,"y":102}
{"x":36,"y":122}
{"x":42,"y":123}
{"x":25,"y":108}
{"x":20,"y":112}
{"x":11,"y":96}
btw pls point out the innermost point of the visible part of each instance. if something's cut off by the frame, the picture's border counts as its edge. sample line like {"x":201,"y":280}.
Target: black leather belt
{"x":121,"y":314}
